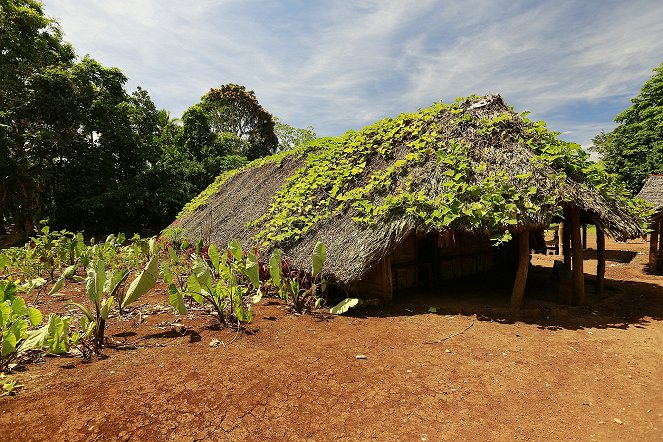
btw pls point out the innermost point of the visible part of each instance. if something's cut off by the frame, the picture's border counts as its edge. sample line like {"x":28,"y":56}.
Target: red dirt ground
{"x":548,"y":372}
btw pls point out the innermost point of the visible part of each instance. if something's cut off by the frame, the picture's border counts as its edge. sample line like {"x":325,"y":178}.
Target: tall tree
{"x":634,"y":150}
{"x":30,"y":43}
{"x":72,"y":140}
{"x":233,"y":109}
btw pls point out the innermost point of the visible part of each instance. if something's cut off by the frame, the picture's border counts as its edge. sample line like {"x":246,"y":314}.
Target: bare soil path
{"x":468,"y":373}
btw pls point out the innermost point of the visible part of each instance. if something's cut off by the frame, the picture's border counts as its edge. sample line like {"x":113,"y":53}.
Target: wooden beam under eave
{"x":577,"y":271}
{"x":600,"y":259}
{"x":653,"y":246}
{"x":523,"y":267}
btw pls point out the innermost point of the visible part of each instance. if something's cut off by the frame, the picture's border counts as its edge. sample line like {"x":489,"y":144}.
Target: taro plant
{"x":299,"y":288}
{"x":103,"y":287}
{"x":219,"y":282}
{"x":15,"y":317}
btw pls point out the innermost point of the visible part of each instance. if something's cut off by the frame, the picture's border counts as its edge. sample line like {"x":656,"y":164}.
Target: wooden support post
{"x":564,"y":237}
{"x":653,"y":246}
{"x":584,"y":236}
{"x":387,"y":281}
{"x":578,"y":274}
{"x":600,"y":259}
{"x":523,"y":267}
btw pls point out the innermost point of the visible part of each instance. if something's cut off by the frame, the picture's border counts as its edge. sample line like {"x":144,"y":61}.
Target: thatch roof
{"x":652,"y":192}
{"x":474,"y":166}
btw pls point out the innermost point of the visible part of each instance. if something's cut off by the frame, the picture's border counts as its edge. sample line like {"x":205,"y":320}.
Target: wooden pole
{"x":387,"y":281}
{"x":600,"y":259}
{"x":653,"y":246}
{"x":578,"y":274}
{"x":564,"y":237}
{"x":523,"y":267}
{"x":584,"y":236}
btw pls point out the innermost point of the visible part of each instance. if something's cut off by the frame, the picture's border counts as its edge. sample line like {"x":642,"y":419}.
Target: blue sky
{"x":339,"y":65}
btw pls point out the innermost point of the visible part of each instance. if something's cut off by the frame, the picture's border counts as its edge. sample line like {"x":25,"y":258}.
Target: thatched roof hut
{"x":474,"y":168}
{"x":652,"y":193}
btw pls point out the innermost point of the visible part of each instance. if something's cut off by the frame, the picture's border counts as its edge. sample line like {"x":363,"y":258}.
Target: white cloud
{"x":340,"y":65}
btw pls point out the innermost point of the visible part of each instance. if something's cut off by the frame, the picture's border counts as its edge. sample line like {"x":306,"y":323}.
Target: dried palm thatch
{"x":472,"y":166}
{"x":652,"y":192}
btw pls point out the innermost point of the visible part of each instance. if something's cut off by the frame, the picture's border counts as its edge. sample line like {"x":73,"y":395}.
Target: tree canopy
{"x":232,"y":109}
{"x":78,"y":149}
{"x":634,"y":150}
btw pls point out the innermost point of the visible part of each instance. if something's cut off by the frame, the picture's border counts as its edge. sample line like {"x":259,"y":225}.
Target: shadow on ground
{"x":621,"y":305}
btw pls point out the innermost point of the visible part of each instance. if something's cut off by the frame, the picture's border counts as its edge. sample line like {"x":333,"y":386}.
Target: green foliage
{"x":234,"y":110}
{"x":10,"y":385}
{"x":299,"y":287}
{"x":444,"y":141}
{"x":291,"y":137}
{"x":344,"y":306}
{"x":634,"y":149}
{"x":15,"y":319}
{"x":224,"y":282}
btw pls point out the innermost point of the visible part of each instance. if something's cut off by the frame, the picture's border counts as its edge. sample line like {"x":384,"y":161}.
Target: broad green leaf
{"x":172,"y":254}
{"x":251,"y":269}
{"x":193,"y":288}
{"x":5,"y":261}
{"x":83,"y":309}
{"x":96,"y":278}
{"x":18,"y":307}
{"x":176,"y":300}
{"x":143,"y":282}
{"x":35,"y":316}
{"x":344,"y":306}
{"x":257,"y":297}
{"x":5,"y":313}
{"x":59,"y":335}
{"x":166,"y":274}
{"x":118,"y":280}
{"x":31,"y":284}
{"x":213,"y":256}
{"x":8,"y":342}
{"x":154,"y":247}
{"x":275,"y":267}
{"x":36,"y":339}
{"x":105,"y":307}
{"x":236,"y":250}
{"x":7,"y":290}
{"x":202,"y":272}
{"x":68,"y":272}
{"x":319,"y":257}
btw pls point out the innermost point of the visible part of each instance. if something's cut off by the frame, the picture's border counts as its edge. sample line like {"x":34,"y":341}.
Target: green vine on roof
{"x":338,"y":177}
{"x":439,"y":166}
